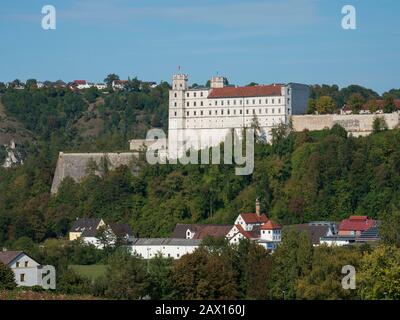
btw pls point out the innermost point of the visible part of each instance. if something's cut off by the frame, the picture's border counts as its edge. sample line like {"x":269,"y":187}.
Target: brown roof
{"x":251,"y":91}
{"x":270,"y":225}
{"x":200,"y":230}
{"x":215,"y":231}
{"x":315,"y":232}
{"x":6,"y":257}
{"x":254,"y":218}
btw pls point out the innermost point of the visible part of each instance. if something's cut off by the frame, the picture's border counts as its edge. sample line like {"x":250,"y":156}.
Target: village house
{"x":148,"y":248}
{"x":355,"y":229}
{"x":26,"y":270}
{"x":90,"y":230}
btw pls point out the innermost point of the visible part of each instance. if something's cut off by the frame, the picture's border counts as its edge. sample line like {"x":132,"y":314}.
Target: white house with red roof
{"x":212,"y":112}
{"x":255,"y":227}
{"x":355,"y":225}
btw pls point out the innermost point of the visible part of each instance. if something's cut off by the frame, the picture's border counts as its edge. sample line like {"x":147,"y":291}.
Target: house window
{"x":187,"y":94}
{"x":17,"y":264}
{"x":194,"y":103}
{"x":177,"y":255}
{"x":26,"y":264}
{"x":201,"y":93}
{"x":259,"y":101}
{"x":22,"y":277}
{"x":216,"y":111}
{"x":216,"y":102}
{"x":201,"y":103}
{"x":201,"y":112}
{"x":194,"y":113}
{"x":229,"y":112}
{"x":187,"y":113}
{"x":175,"y":94}
{"x":234,"y":102}
{"x":209,"y":112}
{"x":266,"y":101}
{"x":174,"y":104}
{"x":194,"y":94}
{"x":254,"y":111}
{"x":247,"y":111}
{"x":254,"y":101}
{"x":222,"y":111}
{"x":175,"y":113}
{"x":187,"y":104}
{"x":273,"y":101}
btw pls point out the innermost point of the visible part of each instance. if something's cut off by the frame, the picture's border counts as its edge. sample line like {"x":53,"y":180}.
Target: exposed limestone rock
{"x":74,"y":165}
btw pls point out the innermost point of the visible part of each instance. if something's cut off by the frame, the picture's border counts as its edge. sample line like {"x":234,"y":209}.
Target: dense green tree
{"x":380,"y":274}
{"x":7,"y":281}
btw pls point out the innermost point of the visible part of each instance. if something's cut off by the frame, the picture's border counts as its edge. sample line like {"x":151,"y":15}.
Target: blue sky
{"x":244,"y":40}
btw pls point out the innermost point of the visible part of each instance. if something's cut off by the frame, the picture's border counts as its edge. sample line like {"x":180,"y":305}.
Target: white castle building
{"x":210,"y":113}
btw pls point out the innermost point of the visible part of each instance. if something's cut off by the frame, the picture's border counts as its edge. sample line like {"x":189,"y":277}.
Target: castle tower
{"x":217,"y":82}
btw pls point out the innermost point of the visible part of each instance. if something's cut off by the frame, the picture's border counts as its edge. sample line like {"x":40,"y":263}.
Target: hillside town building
{"x":27,"y":271}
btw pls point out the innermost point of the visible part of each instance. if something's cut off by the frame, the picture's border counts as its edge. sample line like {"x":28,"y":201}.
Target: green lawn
{"x":92,"y":271}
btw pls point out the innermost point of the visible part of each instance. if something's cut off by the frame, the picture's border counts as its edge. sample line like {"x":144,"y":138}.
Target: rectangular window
{"x":222,"y":102}
{"x":201,"y":112}
{"x":216,"y":102}
{"x":187,"y":113}
{"x":254,"y":111}
{"x":259,"y":111}
{"x":234,"y":111}
{"x":187,"y":94}
{"x":247,"y":111}
{"x":22,"y":277}
{"x":194,"y":113}
{"x":229,"y":112}
{"x":187,"y":104}
{"x":273,"y":110}
{"x":175,"y":113}
{"x":209,"y":112}
{"x":175,"y":94}
{"x":273,"y":101}
{"x":216,"y":111}
{"x":175,"y":104}
{"x":194,"y":103}
{"x":259,"y":101}
{"x":26,"y":264}
{"x":266,"y":101}
{"x":254,"y":101}
{"x":241,"y":111}
{"x":201,"y":103}
{"x":17,"y":264}
{"x":194,"y":94}
{"x":201,"y":93}
{"x":222,"y":111}
{"x":234,"y":102}
{"x":247,"y":101}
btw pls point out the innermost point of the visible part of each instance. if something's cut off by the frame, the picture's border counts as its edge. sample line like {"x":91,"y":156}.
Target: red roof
{"x":80,"y":81}
{"x":212,"y":231}
{"x":254,"y":218}
{"x":245,"y":233}
{"x":270,"y":225}
{"x":356,"y":223}
{"x":251,"y":91}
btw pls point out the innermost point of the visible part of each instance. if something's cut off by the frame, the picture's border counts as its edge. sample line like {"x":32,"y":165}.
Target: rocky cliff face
{"x":11,"y":156}
{"x":75,"y":165}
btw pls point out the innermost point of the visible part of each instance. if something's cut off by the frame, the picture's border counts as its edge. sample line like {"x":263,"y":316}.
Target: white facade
{"x":270,"y":234}
{"x":27,"y":271}
{"x":202,"y":113}
{"x":167,"y":248}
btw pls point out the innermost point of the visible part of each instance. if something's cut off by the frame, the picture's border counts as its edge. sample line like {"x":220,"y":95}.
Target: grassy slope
{"x":92,"y":271}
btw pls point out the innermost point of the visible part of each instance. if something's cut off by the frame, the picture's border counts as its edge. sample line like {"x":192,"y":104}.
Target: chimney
{"x":258,"y":213}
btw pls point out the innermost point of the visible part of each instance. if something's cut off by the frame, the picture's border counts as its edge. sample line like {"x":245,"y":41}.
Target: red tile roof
{"x":270,"y":225}
{"x":251,"y":91}
{"x":80,"y":81}
{"x":254,"y":218}
{"x":356,"y":223}
{"x":245,"y":233}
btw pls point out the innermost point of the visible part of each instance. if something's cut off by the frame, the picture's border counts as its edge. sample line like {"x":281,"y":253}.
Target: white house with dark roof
{"x":89,"y":230}
{"x":148,"y":248}
{"x":26,"y":270}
